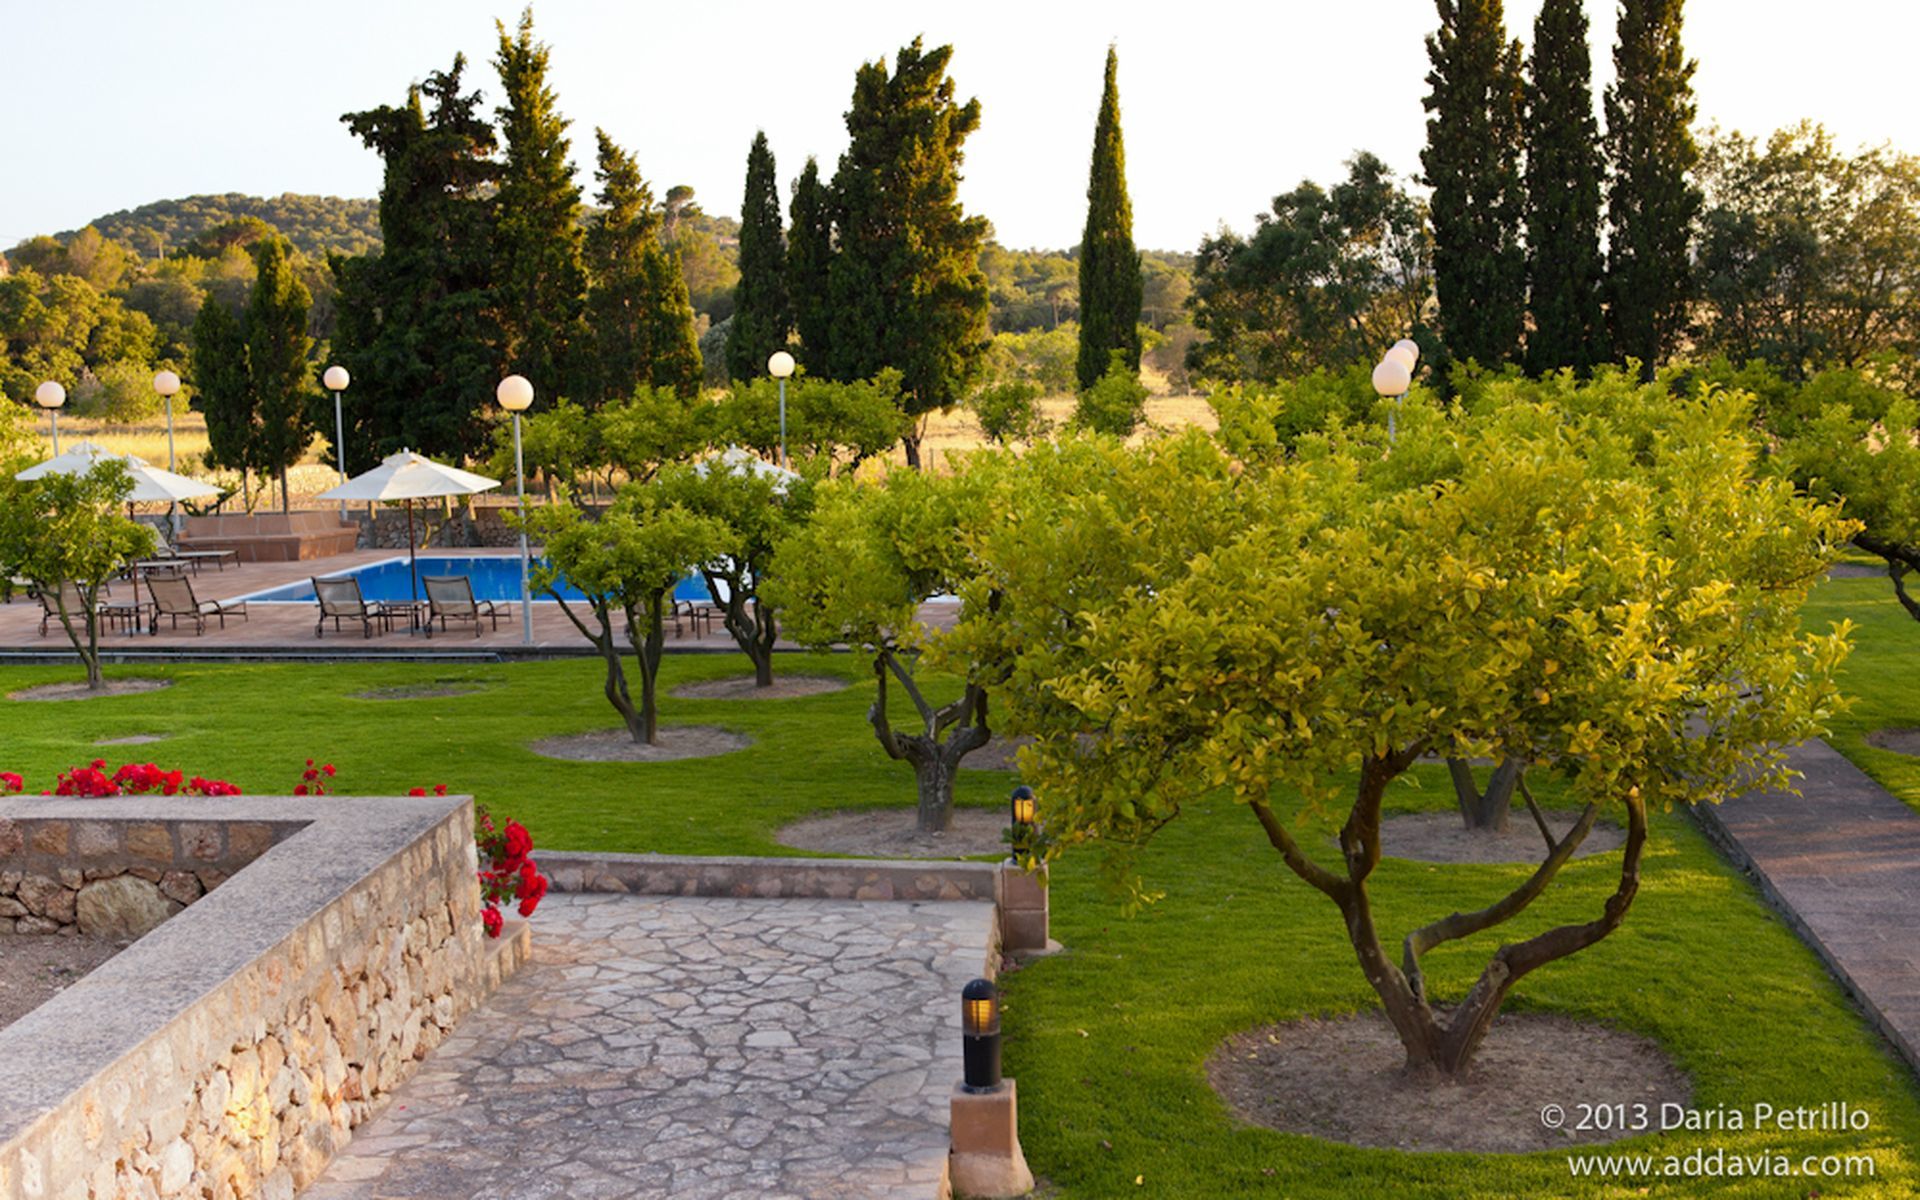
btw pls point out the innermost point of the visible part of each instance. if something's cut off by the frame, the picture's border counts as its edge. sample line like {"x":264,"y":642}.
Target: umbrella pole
{"x":413,"y":561}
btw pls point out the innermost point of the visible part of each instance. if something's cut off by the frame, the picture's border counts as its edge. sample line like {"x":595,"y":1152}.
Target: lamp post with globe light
{"x":780,"y":366}
{"x":515,"y":393}
{"x":167,"y":384}
{"x":336,"y":380}
{"x":51,"y":396}
{"x":1393,"y":377}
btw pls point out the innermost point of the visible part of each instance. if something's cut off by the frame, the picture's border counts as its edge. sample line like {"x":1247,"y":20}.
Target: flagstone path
{"x":692,"y":1048}
{"x":1842,"y":862}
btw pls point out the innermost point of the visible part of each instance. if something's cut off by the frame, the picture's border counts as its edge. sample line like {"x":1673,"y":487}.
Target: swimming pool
{"x":494,"y":576}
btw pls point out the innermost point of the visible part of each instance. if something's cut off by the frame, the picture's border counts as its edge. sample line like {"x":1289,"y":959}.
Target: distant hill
{"x":314,"y":224}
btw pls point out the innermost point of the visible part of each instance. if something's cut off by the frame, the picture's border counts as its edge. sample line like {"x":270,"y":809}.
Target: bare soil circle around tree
{"x":80,"y":691}
{"x":892,"y":833}
{"x":1442,"y":837}
{"x":1899,"y":739}
{"x":617,"y":745}
{"x":1344,"y":1079}
{"x":742,"y":687}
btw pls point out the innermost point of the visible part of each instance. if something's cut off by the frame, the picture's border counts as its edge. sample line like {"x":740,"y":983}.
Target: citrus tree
{"x":856,"y":574}
{"x":1863,"y":455}
{"x":625,"y":564}
{"x":66,"y":529}
{"x":1545,"y":588}
{"x":755,"y":507}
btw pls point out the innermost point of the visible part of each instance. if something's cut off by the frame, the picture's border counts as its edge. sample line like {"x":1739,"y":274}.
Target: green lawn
{"x":1879,"y":676}
{"x":257,"y":724}
{"x":1108,"y":1038}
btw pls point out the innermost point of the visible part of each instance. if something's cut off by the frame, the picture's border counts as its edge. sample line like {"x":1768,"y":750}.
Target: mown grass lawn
{"x":1109,"y":1038}
{"x":1879,"y":676}
{"x":257,"y":724}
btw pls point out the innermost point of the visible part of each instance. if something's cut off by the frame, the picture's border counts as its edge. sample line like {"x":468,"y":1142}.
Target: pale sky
{"x":113,"y":103}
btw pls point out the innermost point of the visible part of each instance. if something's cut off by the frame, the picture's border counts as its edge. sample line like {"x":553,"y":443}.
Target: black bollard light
{"x":980,"y":1036}
{"x":1023,"y":812}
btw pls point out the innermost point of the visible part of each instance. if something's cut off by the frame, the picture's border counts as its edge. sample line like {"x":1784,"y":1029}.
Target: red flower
{"x":532,"y":894}
{"x":519,"y":841}
{"x":490,"y":917}
{"x":11,"y":783}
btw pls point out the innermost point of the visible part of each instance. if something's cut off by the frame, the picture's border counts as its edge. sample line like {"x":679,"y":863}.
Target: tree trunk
{"x":649,"y":640}
{"x":86,"y":639}
{"x":911,"y":441}
{"x":748,"y":621}
{"x":286,"y":501}
{"x":616,"y":681}
{"x":1484,"y":810}
{"x":934,"y":777}
{"x":950,"y":733}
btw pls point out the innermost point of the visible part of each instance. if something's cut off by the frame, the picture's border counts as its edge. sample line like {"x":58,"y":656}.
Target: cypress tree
{"x":1565,"y":272}
{"x":641,"y":317}
{"x":542,"y":282}
{"x":809,"y":255}
{"x":1472,"y":163}
{"x":278,"y":373}
{"x":1653,"y":201}
{"x":416,"y":321}
{"x":762,"y":316}
{"x":905,"y":281}
{"x":220,"y":389}
{"x":1110,"y":281}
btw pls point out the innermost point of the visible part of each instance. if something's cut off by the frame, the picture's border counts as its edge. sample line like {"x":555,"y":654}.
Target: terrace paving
{"x":1842,"y":862}
{"x":273,"y":629}
{"x":694,"y":1048}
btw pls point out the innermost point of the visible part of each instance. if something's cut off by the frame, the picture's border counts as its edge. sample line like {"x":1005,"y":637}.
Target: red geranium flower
{"x":490,"y":917}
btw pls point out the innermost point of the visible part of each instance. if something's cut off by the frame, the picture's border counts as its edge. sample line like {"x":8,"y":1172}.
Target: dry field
{"x":946,"y":433}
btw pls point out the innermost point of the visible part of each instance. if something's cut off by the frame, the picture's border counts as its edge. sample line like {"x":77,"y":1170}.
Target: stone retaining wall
{"x":117,"y":878}
{"x":1019,"y":897}
{"x":231,"y":1052}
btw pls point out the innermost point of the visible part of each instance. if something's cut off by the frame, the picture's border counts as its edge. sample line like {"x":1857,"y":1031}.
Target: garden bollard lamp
{"x":980,"y":1036}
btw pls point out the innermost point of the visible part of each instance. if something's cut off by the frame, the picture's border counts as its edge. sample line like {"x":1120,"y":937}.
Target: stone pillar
{"x":1023,"y":908}
{"x":986,"y":1160}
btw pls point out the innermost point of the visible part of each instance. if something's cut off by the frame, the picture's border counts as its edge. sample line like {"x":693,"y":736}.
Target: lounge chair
{"x":75,"y":603}
{"x":173,"y":598}
{"x":165,"y":555}
{"x":450,"y":598}
{"x":340,"y":600}
{"x":697,"y":613}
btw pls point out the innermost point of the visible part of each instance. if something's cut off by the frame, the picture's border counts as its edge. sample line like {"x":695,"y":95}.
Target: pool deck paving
{"x":1842,"y":863}
{"x":694,"y":1048}
{"x":284,"y":630}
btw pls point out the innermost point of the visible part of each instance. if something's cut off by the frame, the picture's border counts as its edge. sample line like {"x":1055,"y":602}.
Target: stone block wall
{"x":231,"y":1052}
{"x":63,"y":875}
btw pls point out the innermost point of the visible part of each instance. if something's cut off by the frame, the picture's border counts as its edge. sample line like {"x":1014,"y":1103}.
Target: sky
{"x":114,"y":103}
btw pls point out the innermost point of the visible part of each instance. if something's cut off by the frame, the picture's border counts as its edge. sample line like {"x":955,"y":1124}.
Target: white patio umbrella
{"x":735,"y":461}
{"x":407,"y":477}
{"x":150,"y":484}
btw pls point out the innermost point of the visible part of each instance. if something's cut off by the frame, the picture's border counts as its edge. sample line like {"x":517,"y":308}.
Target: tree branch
{"x":1513,"y":962}
{"x":1315,"y":874}
{"x":1460,"y":925}
{"x":877,"y":715}
{"x":1539,"y":818}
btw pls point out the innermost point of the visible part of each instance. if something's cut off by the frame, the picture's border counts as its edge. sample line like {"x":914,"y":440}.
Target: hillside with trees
{"x":315,"y":225}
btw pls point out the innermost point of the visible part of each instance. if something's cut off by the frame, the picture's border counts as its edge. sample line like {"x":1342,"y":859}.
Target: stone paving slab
{"x":695,"y":1048}
{"x":1842,"y":862}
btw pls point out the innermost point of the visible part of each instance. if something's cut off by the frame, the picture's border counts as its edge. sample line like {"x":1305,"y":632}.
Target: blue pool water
{"x":494,"y":576}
